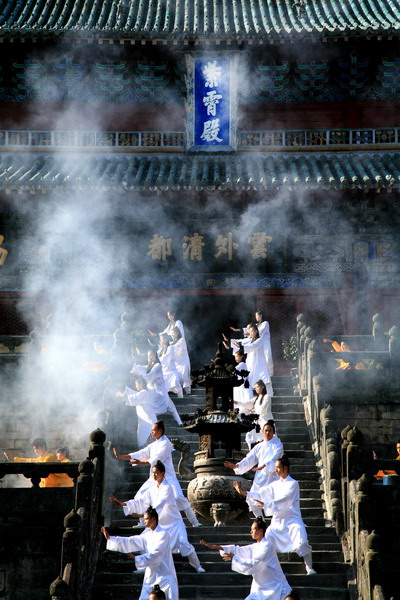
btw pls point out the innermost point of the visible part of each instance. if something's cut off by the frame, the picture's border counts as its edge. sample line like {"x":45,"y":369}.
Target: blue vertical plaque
{"x":211,"y":107}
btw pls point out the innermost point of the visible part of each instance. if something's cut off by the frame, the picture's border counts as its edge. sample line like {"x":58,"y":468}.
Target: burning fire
{"x":343,"y":365}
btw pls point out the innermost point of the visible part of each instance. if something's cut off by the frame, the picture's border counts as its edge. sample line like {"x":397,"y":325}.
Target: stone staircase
{"x":115,"y":579}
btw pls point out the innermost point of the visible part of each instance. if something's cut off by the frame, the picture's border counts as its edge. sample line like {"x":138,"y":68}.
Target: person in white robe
{"x":243,"y":397}
{"x":146,"y":405}
{"x":153,"y":375}
{"x":172,"y":322}
{"x":258,"y":560}
{"x":281,"y":498}
{"x":264,"y":332}
{"x":262,"y":407}
{"x":261,"y":459}
{"x":155,"y":556}
{"x":253,"y":346}
{"x":161,"y":449}
{"x":160,"y":495}
{"x":182,"y":361}
{"x":158,"y":594}
{"x":166,"y":354}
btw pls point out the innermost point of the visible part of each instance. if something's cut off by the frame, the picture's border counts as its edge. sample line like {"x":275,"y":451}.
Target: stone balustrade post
{"x":380,"y":342}
{"x":84,"y":485}
{"x":318,"y":401}
{"x":299,"y":327}
{"x":354,"y":457}
{"x":332,"y":462}
{"x":373,"y":560}
{"x":70,"y":539}
{"x":343,"y":468}
{"x":59,"y":590}
{"x":394,"y":351}
{"x":364,"y":508}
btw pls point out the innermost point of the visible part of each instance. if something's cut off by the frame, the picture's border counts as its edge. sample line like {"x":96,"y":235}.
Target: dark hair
{"x":261,"y":524}
{"x":158,"y":592}
{"x":178,"y":331}
{"x":254,"y":326}
{"x":294,"y":595}
{"x":159,"y":466}
{"x":166,"y":337}
{"x":63,"y":450}
{"x":152,"y":513}
{"x":155,"y":354}
{"x":39,"y":442}
{"x":284,"y":460}
{"x":259,"y":312}
{"x":142,"y":381}
{"x":270,"y":422}
{"x":261,"y":384}
{"x":160,"y":425}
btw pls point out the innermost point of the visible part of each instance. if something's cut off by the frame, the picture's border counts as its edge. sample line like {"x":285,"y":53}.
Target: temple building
{"x":209,"y":158}
{"x":216,"y":155}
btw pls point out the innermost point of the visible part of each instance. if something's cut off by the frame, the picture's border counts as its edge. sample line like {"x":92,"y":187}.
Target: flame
{"x":342,"y":364}
{"x":360,"y":367}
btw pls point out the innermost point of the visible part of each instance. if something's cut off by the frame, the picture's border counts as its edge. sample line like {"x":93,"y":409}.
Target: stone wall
{"x":350,"y":414}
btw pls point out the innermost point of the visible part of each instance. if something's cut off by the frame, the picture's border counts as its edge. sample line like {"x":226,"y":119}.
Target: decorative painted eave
{"x":177,"y":21}
{"x":42,"y":173}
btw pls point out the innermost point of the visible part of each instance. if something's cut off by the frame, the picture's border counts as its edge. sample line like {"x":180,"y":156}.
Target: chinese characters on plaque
{"x":160,"y":247}
{"x":211,"y":103}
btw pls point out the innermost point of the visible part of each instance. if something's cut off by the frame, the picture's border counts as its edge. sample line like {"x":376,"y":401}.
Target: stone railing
{"x":35,"y":471}
{"x":371,"y":513}
{"x":365,"y":392}
{"x":20,"y":344}
{"x":371,"y":366}
{"x":81,"y":539}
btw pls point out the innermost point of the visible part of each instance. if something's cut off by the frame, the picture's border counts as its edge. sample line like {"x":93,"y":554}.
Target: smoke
{"x":88,"y":246}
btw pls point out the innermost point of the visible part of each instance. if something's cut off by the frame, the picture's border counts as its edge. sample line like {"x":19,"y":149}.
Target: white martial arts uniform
{"x":170,"y":327}
{"x":162,"y":449}
{"x":162,"y":498}
{"x":243,"y":397}
{"x":263,"y":331}
{"x":287,"y":530}
{"x":256,"y":363}
{"x":170,"y":373}
{"x":264,"y":453}
{"x":146,"y":405}
{"x":156,"y":385}
{"x":262,"y":407}
{"x":182,"y":363}
{"x":260,"y":561}
{"x":155,"y":558}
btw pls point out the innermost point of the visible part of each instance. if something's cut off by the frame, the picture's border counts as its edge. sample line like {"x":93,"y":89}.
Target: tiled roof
{"x":198,"y":19}
{"x":163,"y":172}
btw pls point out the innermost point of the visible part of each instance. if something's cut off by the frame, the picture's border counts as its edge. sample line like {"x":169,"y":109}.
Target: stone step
{"x":182,"y":565}
{"x":219,"y":582}
{"x":321,"y":538}
{"x":291,"y":445}
{"x":283,"y":405}
{"x":227,"y":590}
{"x":213,"y":579}
{"x":127,"y":488}
{"x":294,"y":438}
